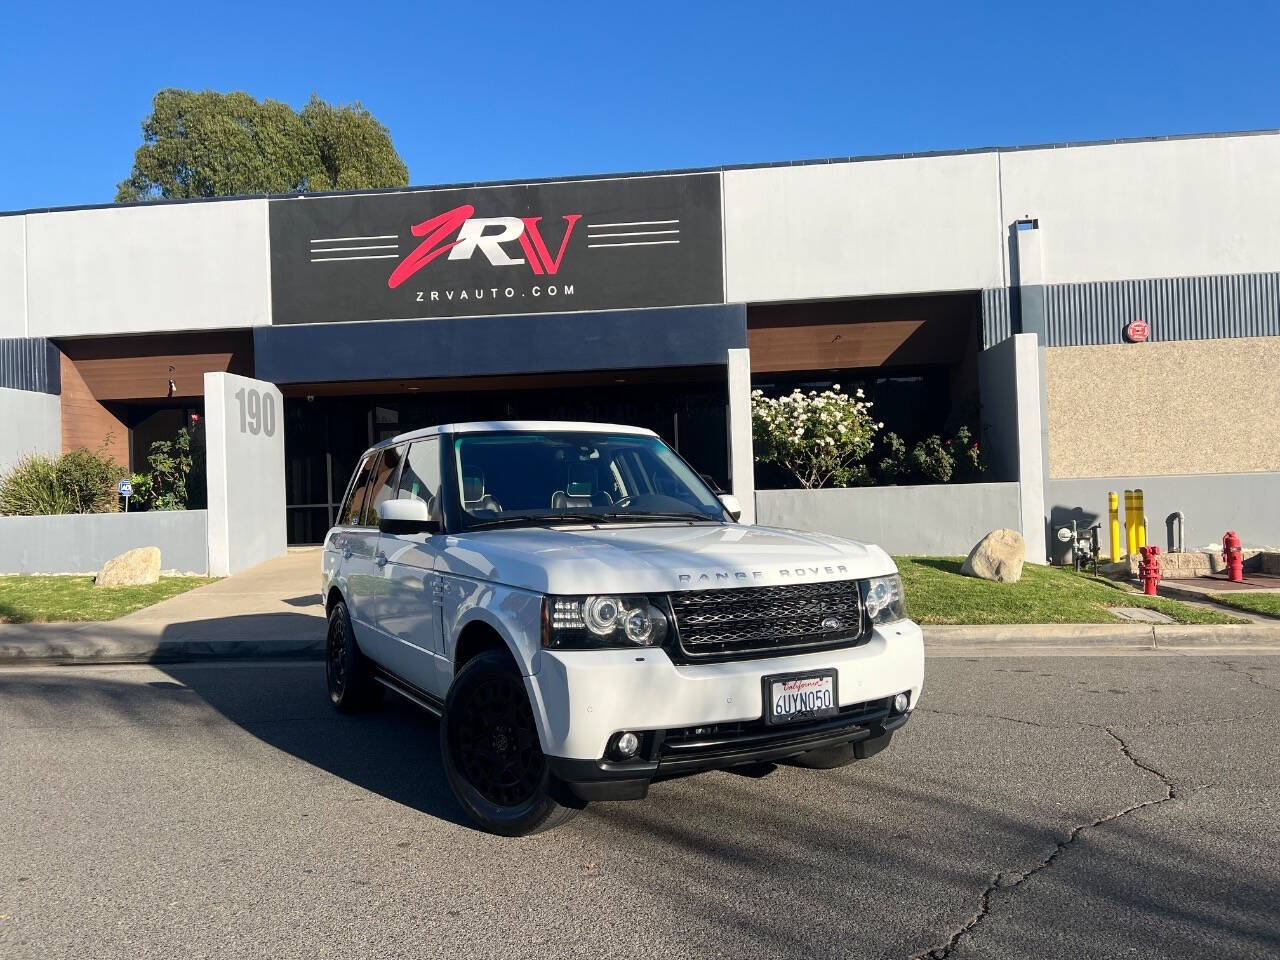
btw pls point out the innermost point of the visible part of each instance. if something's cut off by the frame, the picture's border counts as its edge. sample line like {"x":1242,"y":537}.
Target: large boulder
{"x":131,"y":569}
{"x":998,"y":556}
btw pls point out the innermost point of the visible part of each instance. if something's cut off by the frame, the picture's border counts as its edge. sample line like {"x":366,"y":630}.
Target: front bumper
{"x":866,"y":731}
{"x":582,"y":698}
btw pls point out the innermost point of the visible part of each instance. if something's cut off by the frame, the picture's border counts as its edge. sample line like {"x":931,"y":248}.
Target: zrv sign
{"x":477,"y":251}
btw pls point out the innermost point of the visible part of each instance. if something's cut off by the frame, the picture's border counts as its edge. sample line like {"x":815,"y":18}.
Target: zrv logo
{"x":467,"y":234}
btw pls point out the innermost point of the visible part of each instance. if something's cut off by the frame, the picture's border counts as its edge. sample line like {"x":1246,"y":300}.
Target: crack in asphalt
{"x":1009,"y":880}
{"x":988,"y":716}
{"x":1244,"y":672}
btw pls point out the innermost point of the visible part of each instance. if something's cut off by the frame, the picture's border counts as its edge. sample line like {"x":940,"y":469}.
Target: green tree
{"x":209,"y":144}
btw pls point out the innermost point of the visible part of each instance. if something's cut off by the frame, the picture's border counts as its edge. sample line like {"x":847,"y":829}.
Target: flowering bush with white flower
{"x":823,"y":439}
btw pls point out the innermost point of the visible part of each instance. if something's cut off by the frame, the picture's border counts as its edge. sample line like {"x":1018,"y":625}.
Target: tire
{"x":348,"y":672}
{"x":492,"y":757}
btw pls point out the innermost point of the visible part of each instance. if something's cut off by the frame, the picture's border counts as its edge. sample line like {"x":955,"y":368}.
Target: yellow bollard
{"x":1130,"y":525}
{"x":1140,"y":517}
{"x":1113,"y":512}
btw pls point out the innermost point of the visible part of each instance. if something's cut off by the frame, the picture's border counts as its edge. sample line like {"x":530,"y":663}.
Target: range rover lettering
{"x":586,"y":616}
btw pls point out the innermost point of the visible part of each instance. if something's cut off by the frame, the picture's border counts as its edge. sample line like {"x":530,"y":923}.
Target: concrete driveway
{"x":1034,"y":807}
{"x":272,"y":609}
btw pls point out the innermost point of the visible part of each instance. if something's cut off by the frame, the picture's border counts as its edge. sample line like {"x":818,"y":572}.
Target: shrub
{"x":934,"y":459}
{"x":177,"y":478}
{"x":79,"y":481}
{"x":822,"y":439}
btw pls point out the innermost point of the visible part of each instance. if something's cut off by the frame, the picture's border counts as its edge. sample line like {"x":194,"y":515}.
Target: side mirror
{"x":406,"y":517}
{"x":732,"y":505}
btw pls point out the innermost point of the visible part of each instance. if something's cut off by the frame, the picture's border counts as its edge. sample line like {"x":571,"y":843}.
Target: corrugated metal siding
{"x":997,"y":324}
{"x":1179,"y":308}
{"x":30,"y":364}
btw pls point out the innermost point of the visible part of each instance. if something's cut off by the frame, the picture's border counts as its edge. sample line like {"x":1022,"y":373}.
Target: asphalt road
{"x":1046,"y":807}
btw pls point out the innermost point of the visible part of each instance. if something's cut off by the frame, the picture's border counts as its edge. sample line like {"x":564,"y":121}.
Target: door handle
{"x":381,"y":560}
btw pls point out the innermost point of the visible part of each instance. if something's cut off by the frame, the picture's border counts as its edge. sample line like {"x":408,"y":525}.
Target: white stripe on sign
{"x":634,"y":223}
{"x":631,"y":233}
{"x":375,"y":246}
{"x":633,"y":243}
{"x":380,"y":256}
{"x":384,"y":236}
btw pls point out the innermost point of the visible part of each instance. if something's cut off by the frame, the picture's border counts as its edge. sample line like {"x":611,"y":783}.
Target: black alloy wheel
{"x":496,"y":742}
{"x":348,"y":673}
{"x":492,"y":757}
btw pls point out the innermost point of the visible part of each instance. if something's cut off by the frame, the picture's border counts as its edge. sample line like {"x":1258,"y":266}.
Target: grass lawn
{"x":35,"y":599}
{"x":1267,"y":604}
{"x":937,"y":593}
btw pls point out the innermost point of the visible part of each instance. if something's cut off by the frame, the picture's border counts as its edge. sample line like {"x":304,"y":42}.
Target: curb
{"x":1103,"y":636}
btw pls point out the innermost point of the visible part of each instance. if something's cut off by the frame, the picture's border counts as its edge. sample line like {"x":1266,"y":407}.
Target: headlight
{"x":882,"y":599}
{"x":605,"y":620}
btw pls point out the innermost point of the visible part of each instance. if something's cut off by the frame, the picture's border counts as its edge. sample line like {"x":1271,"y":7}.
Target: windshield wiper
{"x":509,"y":521}
{"x":540,"y":519}
{"x":622,"y":515}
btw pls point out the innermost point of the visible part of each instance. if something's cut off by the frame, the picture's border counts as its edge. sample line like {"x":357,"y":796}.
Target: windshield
{"x":529,"y":477}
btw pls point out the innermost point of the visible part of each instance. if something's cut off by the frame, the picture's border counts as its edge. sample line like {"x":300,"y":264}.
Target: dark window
{"x":382,"y":486}
{"x":353,"y":506}
{"x":420,"y":478}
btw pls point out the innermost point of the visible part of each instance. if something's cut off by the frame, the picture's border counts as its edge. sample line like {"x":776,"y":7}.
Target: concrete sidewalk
{"x":272,"y":610}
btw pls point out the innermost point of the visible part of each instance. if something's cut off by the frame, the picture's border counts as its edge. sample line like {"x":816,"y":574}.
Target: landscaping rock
{"x":998,"y":556}
{"x":131,"y":569}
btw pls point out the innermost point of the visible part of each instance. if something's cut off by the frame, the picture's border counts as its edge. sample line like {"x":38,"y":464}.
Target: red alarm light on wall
{"x":1137,"y":331}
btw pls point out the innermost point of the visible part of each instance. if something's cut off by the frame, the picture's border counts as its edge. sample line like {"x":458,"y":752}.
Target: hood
{"x":657,"y":557}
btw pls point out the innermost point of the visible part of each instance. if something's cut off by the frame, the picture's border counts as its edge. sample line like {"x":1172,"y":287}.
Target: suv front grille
{"x":752,"y":620}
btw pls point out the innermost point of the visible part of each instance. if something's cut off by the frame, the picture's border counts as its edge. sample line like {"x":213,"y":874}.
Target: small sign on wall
{"x":1137,"y":331}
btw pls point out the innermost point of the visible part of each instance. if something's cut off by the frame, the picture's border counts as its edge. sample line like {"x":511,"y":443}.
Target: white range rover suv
{"x":587,"y":616}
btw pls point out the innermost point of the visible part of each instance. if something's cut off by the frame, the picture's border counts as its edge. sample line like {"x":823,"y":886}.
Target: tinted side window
{"x":420,"y":478}
{"x":353,"y":506}
{"x":381,"y":487}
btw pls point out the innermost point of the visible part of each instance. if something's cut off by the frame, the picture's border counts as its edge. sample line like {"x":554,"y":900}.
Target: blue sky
{"x":504,"y":90}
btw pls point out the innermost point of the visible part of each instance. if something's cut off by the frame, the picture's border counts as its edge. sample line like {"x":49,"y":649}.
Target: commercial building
{"x":660,"y":299}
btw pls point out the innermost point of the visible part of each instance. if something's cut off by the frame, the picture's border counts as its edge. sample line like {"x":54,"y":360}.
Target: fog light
{"x":626,"y":745}
{"x":901,"y":702}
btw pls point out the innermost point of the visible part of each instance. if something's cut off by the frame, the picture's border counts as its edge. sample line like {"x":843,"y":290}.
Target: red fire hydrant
{"x":1233,"y":557}
{"x":1149,"y":570}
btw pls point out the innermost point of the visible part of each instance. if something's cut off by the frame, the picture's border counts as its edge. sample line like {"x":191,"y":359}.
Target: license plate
{"x":800,"y":696}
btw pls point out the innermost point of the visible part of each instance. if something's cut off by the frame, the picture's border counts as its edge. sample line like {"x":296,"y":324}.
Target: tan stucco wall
{"x":1152,"y":409}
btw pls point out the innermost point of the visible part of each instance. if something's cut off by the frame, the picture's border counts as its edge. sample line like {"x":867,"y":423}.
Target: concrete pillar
{"x":1032,"y":433}
{"x":244,"y":441}
{"x":1027,"y":277}
{"x":742,"y":478}
{"x":1014,"y":425}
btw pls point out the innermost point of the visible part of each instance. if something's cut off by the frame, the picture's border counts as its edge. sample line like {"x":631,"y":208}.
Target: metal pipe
{"x":1140,"y":511}
{"x":1175,"y":528}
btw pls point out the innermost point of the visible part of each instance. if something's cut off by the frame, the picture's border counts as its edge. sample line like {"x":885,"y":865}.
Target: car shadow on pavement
{"x":392,"y":749}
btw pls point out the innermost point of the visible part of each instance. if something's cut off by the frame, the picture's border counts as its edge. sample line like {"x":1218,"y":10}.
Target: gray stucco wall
{"x":941,"y":520}
{"x":30,"y":422}
{"x":82,"y":543}
{"x":1248,"y":503}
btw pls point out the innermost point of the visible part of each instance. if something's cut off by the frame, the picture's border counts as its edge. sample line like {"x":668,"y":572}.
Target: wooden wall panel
{"x":853,"y":334}
{"x":137,"y":368}
{"x":86,"y":422}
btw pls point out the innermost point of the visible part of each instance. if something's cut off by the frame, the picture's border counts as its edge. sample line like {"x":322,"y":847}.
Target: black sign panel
{"x":479,"y":251}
